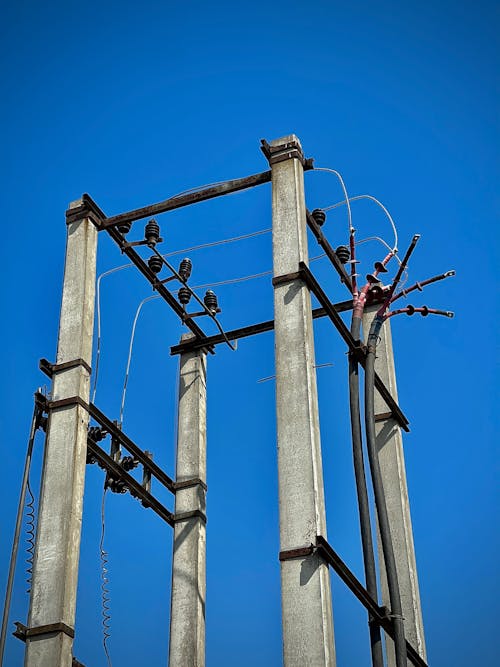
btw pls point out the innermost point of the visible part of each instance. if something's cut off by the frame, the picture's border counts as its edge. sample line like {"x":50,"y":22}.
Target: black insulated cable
{"x":378,"y":491}
{"x":362,"y":496}
{"x":35,"y":423}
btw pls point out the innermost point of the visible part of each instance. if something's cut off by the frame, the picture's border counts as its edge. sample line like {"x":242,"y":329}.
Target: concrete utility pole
{"x":392,"y":467}
{"x":51,"y":619}
{"x":305,"y":580}
{"x":187,"y":617}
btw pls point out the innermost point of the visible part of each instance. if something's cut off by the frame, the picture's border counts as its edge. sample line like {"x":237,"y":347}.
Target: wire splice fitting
{"x":319,"y":216}
{"x":155,"y":264}
{"x":343,"y":253}
{"x":152,"y":233}
{"x":185,"y":268}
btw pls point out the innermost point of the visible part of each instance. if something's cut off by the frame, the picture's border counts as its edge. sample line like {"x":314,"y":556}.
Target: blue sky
{"x":135,"y":102}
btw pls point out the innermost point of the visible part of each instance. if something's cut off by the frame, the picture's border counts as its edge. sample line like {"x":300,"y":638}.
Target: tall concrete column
{"x":187,"y":617}
{"x":55,"y":567}
{"x":305,"y":580}
{"x":392,"y":467}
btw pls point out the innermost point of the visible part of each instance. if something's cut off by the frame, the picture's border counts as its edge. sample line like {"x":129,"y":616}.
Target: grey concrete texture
{"x":187,"y":617}
{"x":393,"y":469}
{"x":306,"y":592}
{"x":55,"y":567}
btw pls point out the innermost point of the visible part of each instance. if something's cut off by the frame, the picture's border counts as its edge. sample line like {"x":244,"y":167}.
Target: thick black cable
{"x":378,"y":491}
{"x":362,"y":496}
{"x":17,"y":531}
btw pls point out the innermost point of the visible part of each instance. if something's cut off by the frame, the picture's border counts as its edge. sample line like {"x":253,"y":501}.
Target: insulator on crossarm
{"x":343,"y":253}
{"x":124,"y":227}
{"x":155,"y":263}
{"x":185,"y":268}
{"x":184,"y":296}
{"x":210,"y":301}
{"x":319,"y":216}
{"x":380,"y":267}
{"x":152,"y":233}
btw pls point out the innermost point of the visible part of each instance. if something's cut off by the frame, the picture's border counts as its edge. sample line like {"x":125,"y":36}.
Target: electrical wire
{"x":376,"y":201}
{"x":30,"y":534}
{"x":105,"y":596}
{"x":17,"y":530}
{"x":132,"y":336}
{"x":347,"y":198}
{"x":126,"y":266}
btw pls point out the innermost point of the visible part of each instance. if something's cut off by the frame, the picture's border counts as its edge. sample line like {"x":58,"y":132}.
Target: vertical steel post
{"x":392,"y":467}
{"x":305,"y":580}
{"x":55,"y":567}
{"x":187,"y":617}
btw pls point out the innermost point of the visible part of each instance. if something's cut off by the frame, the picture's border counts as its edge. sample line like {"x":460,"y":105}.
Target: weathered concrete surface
{"x":392,"y":466}
{"x":55,"y":567}
{"x":187,"y":618}
{"x":306,"y":594}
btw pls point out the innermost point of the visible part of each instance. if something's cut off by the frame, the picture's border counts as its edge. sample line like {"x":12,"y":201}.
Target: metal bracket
{"x":23,"y":633}
{"x":188,"y":483}
{"x":291,"y":149}
{"x":184,"y":516}
{"x":299,"y":552}
{"x":50,"y":369}
{"x":384,"y":416}
{"x":67,"y":402}
{"x":287,"y":278}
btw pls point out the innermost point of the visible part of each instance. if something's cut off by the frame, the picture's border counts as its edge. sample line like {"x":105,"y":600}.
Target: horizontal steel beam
{"x":179,"y":201}
{"x":131,"y":447}
{"x":353,"y":345}
{"x":137,"y":490}
{"x":251,"y":330}
{"x":378,"y":613}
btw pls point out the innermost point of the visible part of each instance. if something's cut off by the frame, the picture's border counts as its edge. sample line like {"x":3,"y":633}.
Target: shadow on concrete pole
{"x":392,"y":467}
{"x":305,"y":581}
{"x":187,"y":617}
{"x":57,"y":550}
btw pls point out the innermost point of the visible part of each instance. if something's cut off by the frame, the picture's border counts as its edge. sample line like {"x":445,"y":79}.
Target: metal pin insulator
{"x":155,"y":263}
{"x":184,"y":296}
{"x":343,"y":253}
{"x":319,"y":216}
{"x":185,"y":268}
{"x":152,"y":233}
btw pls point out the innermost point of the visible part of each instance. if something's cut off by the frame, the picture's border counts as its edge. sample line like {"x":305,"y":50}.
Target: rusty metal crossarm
{"x":131,"y":447}
{"x":378,"y":613}
{"x":330,"y":252}
{"x":135,"y":488}
{"x":187,"y":199}
{"x":251,"y":330}
{"x":353,"y":345}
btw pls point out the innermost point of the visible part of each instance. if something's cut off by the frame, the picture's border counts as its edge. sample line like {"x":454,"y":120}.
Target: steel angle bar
{"x":135,"y":488}
{"x":226,"y":188}
{"x":355,"y":586}
{"x":329,"y":251}
{"x":131,"y":447}
{"x":251,"y":330}
{"x":353,"y":345}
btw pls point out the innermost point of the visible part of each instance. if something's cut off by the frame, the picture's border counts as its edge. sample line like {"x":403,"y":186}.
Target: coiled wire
{"x":30,"y":536}
{"x":105,"y":595}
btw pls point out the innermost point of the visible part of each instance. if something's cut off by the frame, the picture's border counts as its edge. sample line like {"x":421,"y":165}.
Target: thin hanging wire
{"x":347,"y":198}
{"x":126,"y":266}
{"x":132,"y":336}
{"x":379,"y":203}
{"x":105,"y":596}
{"x":30,"y":535}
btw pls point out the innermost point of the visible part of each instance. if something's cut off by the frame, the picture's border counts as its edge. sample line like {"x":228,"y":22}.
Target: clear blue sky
{"x":133,"y":102}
